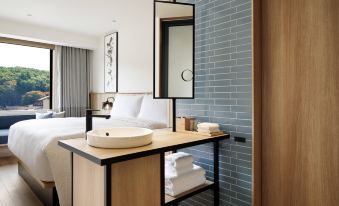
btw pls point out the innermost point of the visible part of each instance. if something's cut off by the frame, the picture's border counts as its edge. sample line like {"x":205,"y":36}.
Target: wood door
{"x":300,"y":102}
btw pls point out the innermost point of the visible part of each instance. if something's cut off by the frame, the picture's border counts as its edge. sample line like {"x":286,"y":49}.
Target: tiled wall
{"x":223,"y":94}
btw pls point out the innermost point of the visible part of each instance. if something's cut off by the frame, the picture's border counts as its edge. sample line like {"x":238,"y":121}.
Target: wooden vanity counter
{"x":163,"y":140}
{"x":133,"y":176}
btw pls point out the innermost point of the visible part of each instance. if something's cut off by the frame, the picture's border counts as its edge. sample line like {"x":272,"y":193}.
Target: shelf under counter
{"x":170,"y":200}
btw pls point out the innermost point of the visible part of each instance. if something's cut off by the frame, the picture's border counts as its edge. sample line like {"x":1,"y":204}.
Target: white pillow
{"x":154,"y":109}
{"x":46,"y":115}
{"x":58,"y":114}
{"x":126,"y":105}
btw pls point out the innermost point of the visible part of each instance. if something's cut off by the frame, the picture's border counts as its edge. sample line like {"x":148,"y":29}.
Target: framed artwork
{"x":111,"y":62}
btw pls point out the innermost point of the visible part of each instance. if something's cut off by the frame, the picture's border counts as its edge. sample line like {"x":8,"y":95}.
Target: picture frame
{"x":111,"y":62}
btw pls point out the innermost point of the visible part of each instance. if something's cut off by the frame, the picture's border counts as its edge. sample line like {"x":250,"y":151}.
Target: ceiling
{"x":91,"y":17}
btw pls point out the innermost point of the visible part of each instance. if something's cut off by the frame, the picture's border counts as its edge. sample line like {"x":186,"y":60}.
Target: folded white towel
{"x":179,"y":159}
{"x":208,"y":130}
{"x":190,"y":184}
{"x":207,"y":125}
{"x":177,"y":171}
{"x":179,"y":165}
{"x":175,"y":185}
{"x":196,"y":170}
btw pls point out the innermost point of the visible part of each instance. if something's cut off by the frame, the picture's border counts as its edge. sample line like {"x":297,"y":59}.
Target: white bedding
{"x":34,"y":142}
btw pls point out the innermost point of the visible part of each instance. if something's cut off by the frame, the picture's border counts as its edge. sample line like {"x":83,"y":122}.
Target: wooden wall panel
{"x":300,"y":112}
{"x":91,"y":191}
{"x":136,"y":182}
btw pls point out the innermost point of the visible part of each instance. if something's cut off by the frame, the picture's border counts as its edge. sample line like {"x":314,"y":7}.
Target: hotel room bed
{"x":29,"y":138}
{"x":34,"y":142}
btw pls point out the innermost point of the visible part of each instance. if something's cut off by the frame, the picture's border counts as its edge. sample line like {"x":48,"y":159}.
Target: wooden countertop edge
{"x":143,"y":153}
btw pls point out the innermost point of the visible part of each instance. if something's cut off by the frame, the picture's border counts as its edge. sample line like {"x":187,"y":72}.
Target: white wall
{"x":135,"y":27}
{"x":135,"y":54}
{"x":97,"y":78}
{"x":14,"y":29}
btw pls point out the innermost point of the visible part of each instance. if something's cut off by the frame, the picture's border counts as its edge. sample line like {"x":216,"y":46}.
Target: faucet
{"x":89,"y":119}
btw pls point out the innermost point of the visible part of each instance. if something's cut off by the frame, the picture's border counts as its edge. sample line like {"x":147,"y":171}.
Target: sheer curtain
{"x":56,"y":90}
{"x":72,"y":80}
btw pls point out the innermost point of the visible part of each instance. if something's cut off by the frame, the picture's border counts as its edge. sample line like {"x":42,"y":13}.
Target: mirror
{"x":173,"y":50}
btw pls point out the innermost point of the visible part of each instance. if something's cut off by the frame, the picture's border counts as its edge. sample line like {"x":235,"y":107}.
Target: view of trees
{"x":22,"y":86}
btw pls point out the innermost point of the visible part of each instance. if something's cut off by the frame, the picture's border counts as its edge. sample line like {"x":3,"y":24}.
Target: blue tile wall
{"x":223,"y":95}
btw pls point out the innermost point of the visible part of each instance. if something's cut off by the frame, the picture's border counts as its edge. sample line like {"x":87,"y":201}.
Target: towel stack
{"x":181,"y":174}
{"x":209,"y":128}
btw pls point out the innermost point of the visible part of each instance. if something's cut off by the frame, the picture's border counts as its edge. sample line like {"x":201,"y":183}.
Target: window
{"x":25,"y":77}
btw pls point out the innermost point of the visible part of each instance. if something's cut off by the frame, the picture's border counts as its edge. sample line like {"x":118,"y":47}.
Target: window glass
{"x":24,"y":78}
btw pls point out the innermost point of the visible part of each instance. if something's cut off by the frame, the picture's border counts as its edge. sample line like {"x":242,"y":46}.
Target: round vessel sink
{"x":119,"y":137}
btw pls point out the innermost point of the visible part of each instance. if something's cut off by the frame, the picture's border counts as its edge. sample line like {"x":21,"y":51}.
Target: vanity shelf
{"x":169,"y":200}
{"x":111,"y":177}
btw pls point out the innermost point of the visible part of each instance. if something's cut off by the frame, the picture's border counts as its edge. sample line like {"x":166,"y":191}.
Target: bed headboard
{"x":96,"y":100}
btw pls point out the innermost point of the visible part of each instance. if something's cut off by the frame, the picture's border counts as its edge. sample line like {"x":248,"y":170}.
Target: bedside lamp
{"x":107,"y":105}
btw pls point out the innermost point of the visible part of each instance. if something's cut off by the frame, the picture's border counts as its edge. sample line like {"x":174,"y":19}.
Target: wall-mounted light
{"x":107,"y":105}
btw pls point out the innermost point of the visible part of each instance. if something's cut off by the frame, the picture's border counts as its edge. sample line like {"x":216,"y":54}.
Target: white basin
{"x":119,"y":137}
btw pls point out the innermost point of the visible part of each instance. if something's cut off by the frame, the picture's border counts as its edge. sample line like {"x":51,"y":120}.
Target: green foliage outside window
{"x":22,"y":86}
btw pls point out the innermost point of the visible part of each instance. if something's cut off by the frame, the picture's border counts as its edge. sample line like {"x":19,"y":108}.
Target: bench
{"x":7,"y":121}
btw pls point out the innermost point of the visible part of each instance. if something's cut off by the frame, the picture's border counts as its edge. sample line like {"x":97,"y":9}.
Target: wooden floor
{"x":13,"y":189}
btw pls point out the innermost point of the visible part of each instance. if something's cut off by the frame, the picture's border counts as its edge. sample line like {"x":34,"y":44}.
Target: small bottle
{"x":194,"y":125}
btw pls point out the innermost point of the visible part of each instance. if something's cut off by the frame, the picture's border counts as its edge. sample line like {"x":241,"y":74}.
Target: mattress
{"x":28,"y":139}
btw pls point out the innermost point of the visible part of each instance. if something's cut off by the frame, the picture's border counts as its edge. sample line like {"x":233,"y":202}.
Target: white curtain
{"x":56,"y":88}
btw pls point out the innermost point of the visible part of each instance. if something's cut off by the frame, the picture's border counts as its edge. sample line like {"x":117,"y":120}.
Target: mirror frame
{"x":154,"y":50}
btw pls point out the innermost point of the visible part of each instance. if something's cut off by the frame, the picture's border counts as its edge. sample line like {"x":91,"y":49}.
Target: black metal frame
{"x":174,"y":115}
{"x":193,"y":65}
{"x":162,"y":178}
{"x":51,"y":79}
{"x":108,"y":186}
{"x":107,"y":163}
{"x":165,"y":25}
{"x":216,"y":173}
{"x":72,"y":177}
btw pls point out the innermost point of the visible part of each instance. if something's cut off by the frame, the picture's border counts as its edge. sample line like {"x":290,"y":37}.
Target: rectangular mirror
{"x":173,"y":50}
